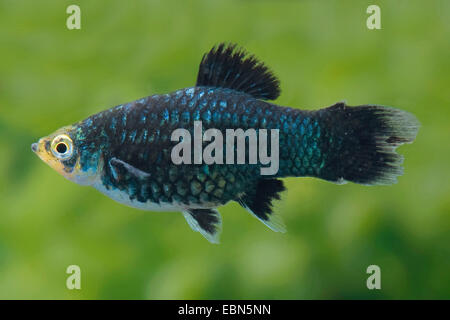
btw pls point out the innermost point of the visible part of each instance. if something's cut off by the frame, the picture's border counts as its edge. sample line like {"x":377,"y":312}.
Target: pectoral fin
{"x":206,"y":221}
{"x":121,"y":170}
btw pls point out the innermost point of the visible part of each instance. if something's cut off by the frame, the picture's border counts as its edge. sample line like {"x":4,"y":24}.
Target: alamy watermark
{"x":74,"y":19}
{"x":374,"y":20}
{"x":74,"y":280}
{"x":374,"y":280}
{"x":235,"y":140}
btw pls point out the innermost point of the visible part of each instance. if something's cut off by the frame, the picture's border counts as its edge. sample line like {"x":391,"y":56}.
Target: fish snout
{"x":34,"y":147}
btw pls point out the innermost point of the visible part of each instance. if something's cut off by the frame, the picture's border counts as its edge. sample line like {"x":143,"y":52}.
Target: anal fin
{"x":259,"y":203}
{"x":206,"y":221}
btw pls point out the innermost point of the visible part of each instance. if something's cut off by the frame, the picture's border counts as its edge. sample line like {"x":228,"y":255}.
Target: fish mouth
{"x":38,"y":149}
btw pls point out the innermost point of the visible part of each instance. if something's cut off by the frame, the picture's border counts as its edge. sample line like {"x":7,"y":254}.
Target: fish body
{"x":126,"y":152}
{"x":127,"y":132}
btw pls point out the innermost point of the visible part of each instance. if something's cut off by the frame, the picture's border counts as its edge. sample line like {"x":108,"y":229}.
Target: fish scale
{"x":153,"y":155}
{"x":125,"y":151}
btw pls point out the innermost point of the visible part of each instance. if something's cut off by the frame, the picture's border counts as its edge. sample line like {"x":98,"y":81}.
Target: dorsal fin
{"x":226,"y":66}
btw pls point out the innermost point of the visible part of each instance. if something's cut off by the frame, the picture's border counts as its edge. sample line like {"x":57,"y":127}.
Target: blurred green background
{"x":322,"y":52}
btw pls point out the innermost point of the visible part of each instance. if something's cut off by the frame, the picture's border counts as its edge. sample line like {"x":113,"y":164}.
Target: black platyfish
{"x":126,"y":152}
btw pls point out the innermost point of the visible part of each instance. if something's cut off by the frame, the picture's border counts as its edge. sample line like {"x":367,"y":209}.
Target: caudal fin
{"x":362,"y":142}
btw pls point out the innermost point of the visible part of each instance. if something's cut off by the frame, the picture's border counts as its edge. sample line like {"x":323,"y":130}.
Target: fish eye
{"x":62,"y":147}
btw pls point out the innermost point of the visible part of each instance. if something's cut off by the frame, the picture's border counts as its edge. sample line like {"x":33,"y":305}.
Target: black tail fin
{"x":363,"y":143}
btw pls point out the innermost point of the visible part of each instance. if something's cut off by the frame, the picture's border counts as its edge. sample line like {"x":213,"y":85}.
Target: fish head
{"x":64,"y":150}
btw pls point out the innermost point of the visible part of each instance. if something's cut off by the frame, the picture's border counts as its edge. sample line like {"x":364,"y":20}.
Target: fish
{"x":126,"y":152}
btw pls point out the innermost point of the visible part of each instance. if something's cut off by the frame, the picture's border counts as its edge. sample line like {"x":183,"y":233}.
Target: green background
{"x":322,"y":52}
